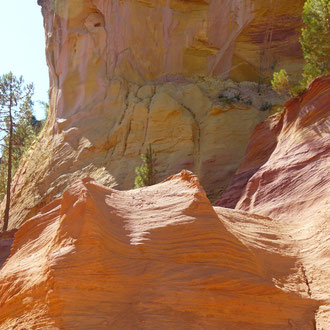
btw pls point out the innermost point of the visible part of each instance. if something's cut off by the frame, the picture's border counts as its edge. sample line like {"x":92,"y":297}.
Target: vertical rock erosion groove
{"x":6,"y":241}
{"x":159,"y":257}
{"x":126,"y":74}
{"x":286,"y":175}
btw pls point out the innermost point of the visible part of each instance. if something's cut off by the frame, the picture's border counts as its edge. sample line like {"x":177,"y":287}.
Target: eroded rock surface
{"x":157,"y":257}
{"x":6,"y":241}
{"x":286,"y":175}
{"x":146,"y":40}
{"x":126,"y":74}
{"x":187,"y":125}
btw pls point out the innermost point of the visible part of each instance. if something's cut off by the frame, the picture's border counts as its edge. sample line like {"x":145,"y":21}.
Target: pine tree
{"x":23,"y":136}
{"x":145,"y":174}
{"x":15,"y":111}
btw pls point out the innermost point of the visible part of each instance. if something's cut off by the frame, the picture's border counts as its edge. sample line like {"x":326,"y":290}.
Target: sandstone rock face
{"x":261,"y":145}
{"x":287,"y":145}
{"x":145,"y":40}
{"x":6,"y":241}
{"x":153,"y":258}
{"x":126,"y":74}
{"x":186,"y":123}
{"x":286,"y":175}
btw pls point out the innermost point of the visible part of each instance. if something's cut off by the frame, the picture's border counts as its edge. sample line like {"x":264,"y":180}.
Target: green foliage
{"x":298,"y":89}
{"x":145,"y":174}
{"x":266,"y":106}
{"x":42,"y":123}
{"x":280,"y":83}
{"x":23,"y":136}
{"x":315,"y":42}
{"x":226,"y":99}
{"x":229,"y":99}
{"x":15,"y":129}
{"x":315,"y":39}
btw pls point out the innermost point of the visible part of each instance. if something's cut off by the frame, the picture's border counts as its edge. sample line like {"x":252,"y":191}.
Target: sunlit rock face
{"x":145,"y":40}
{"x":162,"y":256}
{"x":126,"y":74}
{"x":129,"y":74}
{"x":286,"y":175}
{"x":159,"y":257}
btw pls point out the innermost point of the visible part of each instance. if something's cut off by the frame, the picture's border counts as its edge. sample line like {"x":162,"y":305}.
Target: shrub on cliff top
{"x":280,"y":83}
{"x":315,"y":43}
{"x":315,"y":39}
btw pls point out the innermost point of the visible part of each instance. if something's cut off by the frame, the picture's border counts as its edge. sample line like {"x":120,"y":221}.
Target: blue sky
{"x":23,"y":46}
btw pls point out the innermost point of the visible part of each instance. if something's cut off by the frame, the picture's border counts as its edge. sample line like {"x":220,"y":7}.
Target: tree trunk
{"x":6,"y":216}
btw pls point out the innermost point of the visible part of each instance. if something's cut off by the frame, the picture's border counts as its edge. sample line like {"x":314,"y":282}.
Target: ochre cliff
{"x":126,"y":74}
{"x":286,"y":175}
{"x":162,"y":257}
{"x":186,"y":124}
{"x":145,"y":40}
{"x":129,"y":74}
{"x":92,"y":41}
{"x":287,"y":145}
{"x":153,"y":258}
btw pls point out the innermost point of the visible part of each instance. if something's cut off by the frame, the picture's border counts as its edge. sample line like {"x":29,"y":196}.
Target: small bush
{"x":145,"y":174}
{"x":266,"y":106}
{"x":280,"y":83}
{"x":247,"y":101}
{"x":226,"y":99}
{"x":315,"y":43}
{"x":231,"y":98}
{"x":298,"y":90}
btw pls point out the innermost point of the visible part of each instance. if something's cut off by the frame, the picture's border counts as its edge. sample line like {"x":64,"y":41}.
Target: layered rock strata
{"x":290,"y":142}
{"x":286,"y":175}
{"x":157,"y":257}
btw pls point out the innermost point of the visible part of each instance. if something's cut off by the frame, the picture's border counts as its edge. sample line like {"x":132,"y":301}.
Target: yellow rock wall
{"x":126,"y":74}
{"x":186,"y":124}
{"x":146,"y":40}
